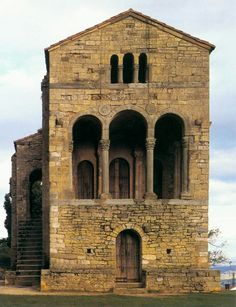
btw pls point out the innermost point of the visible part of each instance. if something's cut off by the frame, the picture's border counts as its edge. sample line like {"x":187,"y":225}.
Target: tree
{"x":5,"y":253}
{"x":216,"y":254}
{"x":7,"y":223}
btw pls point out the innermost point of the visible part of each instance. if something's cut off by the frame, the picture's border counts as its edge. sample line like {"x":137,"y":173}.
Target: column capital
{"x":150,"y":143}
{"x":138,"y":154}
{"x":105,"y":144}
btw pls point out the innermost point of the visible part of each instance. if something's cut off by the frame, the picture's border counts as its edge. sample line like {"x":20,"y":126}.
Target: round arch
{"x":140,"y":111}
{"x":180,"y":116}
{"x":80,"y":115}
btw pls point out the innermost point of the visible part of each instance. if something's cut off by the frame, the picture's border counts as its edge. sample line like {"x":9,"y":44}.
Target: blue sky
{"x":28,"y":26}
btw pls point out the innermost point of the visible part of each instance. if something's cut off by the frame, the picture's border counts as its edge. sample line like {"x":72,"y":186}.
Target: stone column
{"x":136,"y":69}
{"x":120,"y":74}
{"x":150,"y":144}
{"x":185,"y":145}
{"x":105,"y":144}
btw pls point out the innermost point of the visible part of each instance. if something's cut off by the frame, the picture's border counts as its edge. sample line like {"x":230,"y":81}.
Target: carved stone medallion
{"x":104,"y":110}
{"x":151,"y":108}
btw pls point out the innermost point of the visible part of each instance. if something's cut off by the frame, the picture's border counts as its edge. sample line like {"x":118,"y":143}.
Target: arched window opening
{"x":142,"y":71}
{"x":85,"y":180}
{"x":119,"y":178}
{"x":168,"y":173}
{"x":86,"y":137}
{"x":35,"y":195}
{"x":114,"y":68}
{"x":128,"y":256}
{"x":128,"y":68}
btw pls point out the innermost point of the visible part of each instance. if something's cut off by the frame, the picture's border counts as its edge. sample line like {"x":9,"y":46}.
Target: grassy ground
{"x":226,"y":299}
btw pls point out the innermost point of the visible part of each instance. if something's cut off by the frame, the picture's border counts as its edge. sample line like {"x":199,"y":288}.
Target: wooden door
{"x":128,"y":257}
{"x":85,"y":180}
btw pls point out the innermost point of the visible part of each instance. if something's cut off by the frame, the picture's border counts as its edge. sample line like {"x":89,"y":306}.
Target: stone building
{"x":122,"y":160}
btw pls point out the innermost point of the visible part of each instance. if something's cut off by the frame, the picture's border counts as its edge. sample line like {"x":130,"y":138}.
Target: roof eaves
{"x":27,"y":138}
{"x":141,"y":17}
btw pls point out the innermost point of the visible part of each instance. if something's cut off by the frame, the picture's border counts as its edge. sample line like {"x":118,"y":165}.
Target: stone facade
{"x":125,"y":151}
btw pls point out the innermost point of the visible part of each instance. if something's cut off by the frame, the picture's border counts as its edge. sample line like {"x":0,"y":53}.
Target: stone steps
{"x":36,"y":266}
{"x":129,"y":288}
{"x":29,"y":253}
{"x":27,"y":280}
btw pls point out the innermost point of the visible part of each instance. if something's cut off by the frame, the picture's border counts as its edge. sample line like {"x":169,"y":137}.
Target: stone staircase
{"x":129,"y":288}
{"x":29,"y":252}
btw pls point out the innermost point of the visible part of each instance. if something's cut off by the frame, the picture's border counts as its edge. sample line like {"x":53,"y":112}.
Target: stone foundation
{"x":169,"y":280}
{"x":183,"y":280}
{"x":84,"y":280}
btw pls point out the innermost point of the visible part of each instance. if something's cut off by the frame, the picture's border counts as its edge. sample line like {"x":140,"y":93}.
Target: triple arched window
{"x":128,"y":72}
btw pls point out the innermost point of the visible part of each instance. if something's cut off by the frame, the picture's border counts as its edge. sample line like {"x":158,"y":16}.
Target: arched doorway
{"x":119,"y":178}
{"x":128,"y":262}
{"x":35,"y":195}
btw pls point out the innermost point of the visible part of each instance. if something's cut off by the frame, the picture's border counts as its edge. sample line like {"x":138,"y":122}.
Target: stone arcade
{"x":122,"y":160}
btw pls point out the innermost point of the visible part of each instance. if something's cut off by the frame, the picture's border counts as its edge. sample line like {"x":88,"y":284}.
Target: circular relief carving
{"x":151,"y":108}
{"x":104,"y":110}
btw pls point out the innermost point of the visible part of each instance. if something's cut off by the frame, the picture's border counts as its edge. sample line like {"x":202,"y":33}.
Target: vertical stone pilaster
{"x":147,"y":74}
{"x":177,"y":170}
{"x":150,"y":145}
{"x":105,"y":145}
{"x":138,"y":155}
{"x":185,"y":146}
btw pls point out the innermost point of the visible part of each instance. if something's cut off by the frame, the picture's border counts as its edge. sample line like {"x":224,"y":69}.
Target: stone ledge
{"x":102,"y":202}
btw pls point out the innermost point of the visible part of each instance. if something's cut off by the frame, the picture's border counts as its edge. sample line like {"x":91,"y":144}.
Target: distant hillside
{"x":224,"y":268}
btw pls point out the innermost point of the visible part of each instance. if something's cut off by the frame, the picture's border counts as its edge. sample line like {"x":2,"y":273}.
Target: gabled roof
{"x":141,"y":17}
{"x":28,"y":138}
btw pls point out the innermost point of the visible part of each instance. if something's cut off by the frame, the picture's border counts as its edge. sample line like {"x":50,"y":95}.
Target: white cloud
{"x":223,"y":163}
{"x":222,"y":193}
{"x":222,"y":212}
{"x":5,"y":167}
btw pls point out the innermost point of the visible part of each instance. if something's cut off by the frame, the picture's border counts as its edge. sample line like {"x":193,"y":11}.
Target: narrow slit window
{"x":142,"y":72}
{"x":114,"y":68}
{"x":128,"y":68}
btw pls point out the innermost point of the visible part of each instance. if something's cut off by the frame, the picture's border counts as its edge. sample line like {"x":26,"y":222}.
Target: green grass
{"x":226,"y":299}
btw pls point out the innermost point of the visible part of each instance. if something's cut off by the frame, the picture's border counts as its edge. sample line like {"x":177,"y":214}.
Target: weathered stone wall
{"x":80,"y":84}
{"x":177,"y":279}
{"x":28,"y":158}
{"x":177,"y":225}
{"x":45,"y":170}
{"x":83,"y":245}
